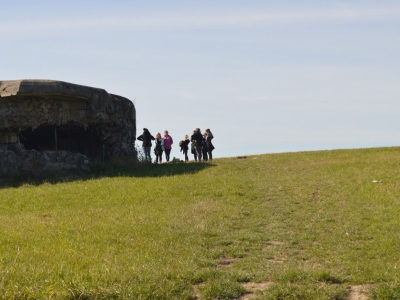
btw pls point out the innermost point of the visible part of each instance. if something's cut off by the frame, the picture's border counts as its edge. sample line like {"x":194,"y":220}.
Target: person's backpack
{"x":181,"y":143}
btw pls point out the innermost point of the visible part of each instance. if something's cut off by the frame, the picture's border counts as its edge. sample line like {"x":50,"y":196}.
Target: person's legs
{"x":167,"y":152}
{"x":199,"y":151}
{"x":209,"y":154}
{"x":205,"y":155}
{"x":147,"y":155}
{"x":161,"y":157}
{"x":186,"y":156}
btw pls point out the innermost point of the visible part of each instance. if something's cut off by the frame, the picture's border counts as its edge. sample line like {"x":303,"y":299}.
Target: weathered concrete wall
{"x":45,"y":163}
{"x":85,"y":120}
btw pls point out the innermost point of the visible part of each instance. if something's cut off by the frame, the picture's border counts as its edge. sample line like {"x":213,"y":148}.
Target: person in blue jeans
{"x":146,"y":138}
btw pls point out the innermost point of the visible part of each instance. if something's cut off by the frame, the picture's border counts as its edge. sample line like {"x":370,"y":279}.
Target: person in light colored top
{"x":168,"y":141}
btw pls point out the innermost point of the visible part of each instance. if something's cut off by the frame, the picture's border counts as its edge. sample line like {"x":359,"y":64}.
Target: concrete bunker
{"x":55,"y":120}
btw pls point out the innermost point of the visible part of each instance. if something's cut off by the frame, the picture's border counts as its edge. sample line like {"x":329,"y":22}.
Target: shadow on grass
{"x":117,"y":168}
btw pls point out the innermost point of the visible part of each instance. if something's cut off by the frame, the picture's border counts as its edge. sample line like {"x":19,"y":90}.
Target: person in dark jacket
{"x":198,"y":139}
{"x":193,"y":147}
{"x":159,"y":147}
{"x":146,"y":138}
{"x":185,"y":147}
{"x":205,"y":157}
{"x":210,"y":146}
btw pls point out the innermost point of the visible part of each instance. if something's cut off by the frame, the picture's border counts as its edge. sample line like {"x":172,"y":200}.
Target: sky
{"x":264,"y":76}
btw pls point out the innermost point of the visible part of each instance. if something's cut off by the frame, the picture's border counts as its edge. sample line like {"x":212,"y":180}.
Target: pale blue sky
{"x":264,"y":76}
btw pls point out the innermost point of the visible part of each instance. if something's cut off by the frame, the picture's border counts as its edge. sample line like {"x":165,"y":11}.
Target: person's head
{"x":205,"y":133}
{"x":146,"y":132}
{"x":186,"y":137}
{"x":158,"y":135}
{"x":208,"y":130}
{"x":166,"y":133}
{"x":197,"y":130}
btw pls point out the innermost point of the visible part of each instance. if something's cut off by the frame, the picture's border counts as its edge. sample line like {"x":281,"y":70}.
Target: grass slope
{"x":309,"y":223}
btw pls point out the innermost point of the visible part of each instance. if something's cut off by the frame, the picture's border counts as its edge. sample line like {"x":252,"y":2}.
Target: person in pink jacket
{"x":167,"y":144}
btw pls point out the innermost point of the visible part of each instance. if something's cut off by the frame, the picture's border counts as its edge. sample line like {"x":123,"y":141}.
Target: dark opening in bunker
{"x":72,"y":138}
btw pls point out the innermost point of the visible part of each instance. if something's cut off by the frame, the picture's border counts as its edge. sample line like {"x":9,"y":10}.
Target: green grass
{"x":313,"y":223}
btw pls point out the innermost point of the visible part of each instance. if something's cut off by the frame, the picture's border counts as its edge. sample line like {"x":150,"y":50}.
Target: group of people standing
{"x":201,"y":145}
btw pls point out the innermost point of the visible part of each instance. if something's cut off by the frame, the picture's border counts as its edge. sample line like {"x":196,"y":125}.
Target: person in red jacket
{"x":168,"y":141}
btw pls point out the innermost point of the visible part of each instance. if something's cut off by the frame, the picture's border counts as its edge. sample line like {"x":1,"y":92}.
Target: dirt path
{"x":358,"y":292}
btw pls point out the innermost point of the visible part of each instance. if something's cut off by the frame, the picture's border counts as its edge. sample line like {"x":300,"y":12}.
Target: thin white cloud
{"x":187,"y":20}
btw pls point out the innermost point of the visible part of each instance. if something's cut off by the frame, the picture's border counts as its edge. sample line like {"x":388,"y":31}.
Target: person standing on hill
{"x":205,"y":157}
{"x":146,"y":138}
{"x":168,"y":141}
{"x":193,"y":146}
{"x":159,"y":147}
{"x":210,"y":146}
{"x":198,"y":139}
{"x":185,"y":147}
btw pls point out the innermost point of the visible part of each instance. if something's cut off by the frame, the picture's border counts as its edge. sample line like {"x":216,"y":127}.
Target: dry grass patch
{"x":253,"y":287}
{"x":272,"y":244}
{"x":358,"y":292}
{"x":278,"y":259}
{"x":227,"y":261}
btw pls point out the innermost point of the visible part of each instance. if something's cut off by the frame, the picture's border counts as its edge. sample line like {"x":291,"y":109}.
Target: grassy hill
{"x":308,"y":225}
